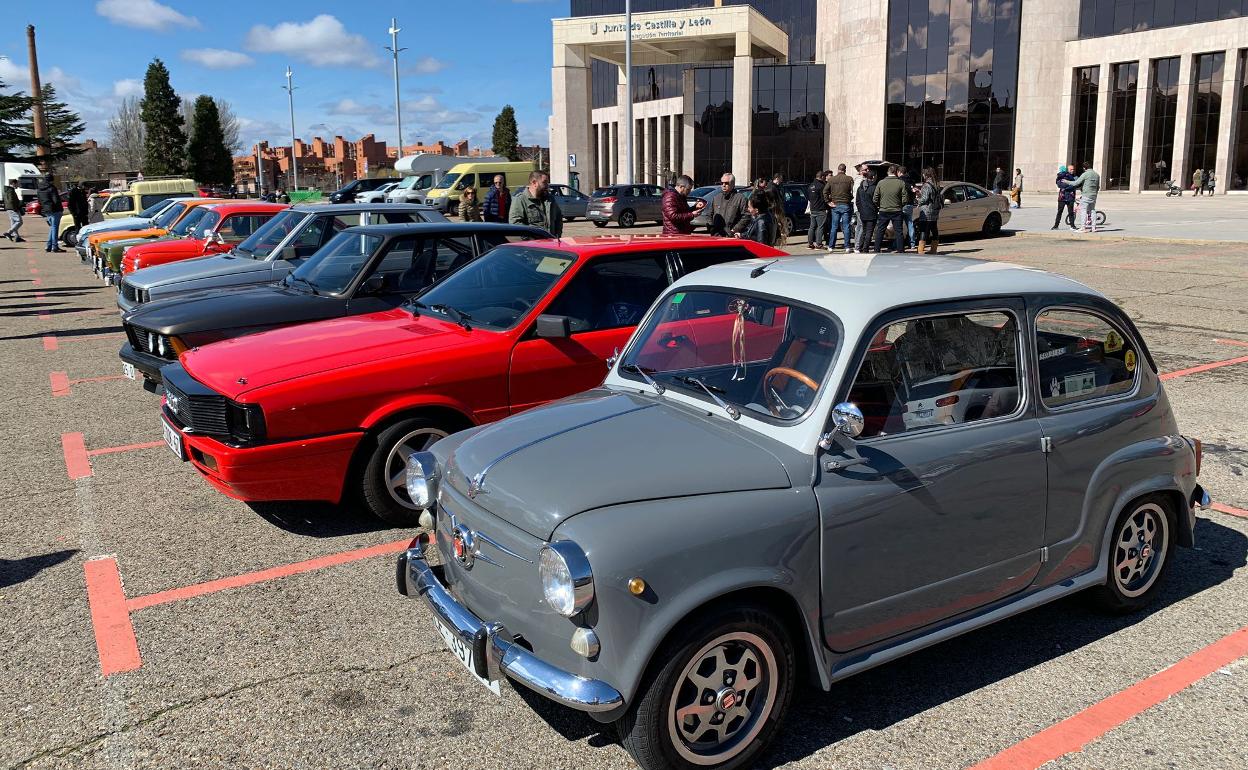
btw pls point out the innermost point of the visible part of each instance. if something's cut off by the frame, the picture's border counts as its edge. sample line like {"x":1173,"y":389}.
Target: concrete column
{"x":660,"y":161}
{"x":1042,"y":119}
{"x":742,"y":108}
{"x":1100,"y":139}
{"x":686,"y":122}
{"x":646,"y":169}
{"x":1228,"y":122}
{"x":638,"y":151}
{"x":613,"y":170}
{"x":570,"y":107}
{"x":1183,"y":111}
{"x":673,"y":146}
{"x":1141,"y":166}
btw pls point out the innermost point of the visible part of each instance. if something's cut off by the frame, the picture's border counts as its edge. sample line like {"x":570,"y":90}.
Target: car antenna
{"x":756,"y":272}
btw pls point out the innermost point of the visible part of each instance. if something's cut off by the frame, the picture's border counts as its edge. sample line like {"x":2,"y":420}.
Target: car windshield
{"x":190,"y":220}
{"x":496,"y":290}
{"x":169,"y":216}
{"x":407,"y":183}
{"x":205,"y":224}
{"x":330,"y":270}
{"x":262,"y":242}
{"x":445,"y":182}
{"x":154,"y":209}
{"x":758,"y":355}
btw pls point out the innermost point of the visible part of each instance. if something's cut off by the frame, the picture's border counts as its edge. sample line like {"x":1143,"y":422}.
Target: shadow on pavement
{"x":64,"y":333}
{"x":28,"y":304}
{"x":18,"y":313}
{"x":318,"y":519}
{"x":14,"y":571}
{"x":50,"y":289}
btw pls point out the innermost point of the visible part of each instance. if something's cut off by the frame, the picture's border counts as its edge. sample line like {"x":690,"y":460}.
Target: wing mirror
{"x":373,"y":284}
{"x":847,"y":419}
{"x":553,"y":327}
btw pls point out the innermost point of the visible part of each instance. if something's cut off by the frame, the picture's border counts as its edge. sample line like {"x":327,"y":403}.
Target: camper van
{"x":142,"y":195}
{"x":444,"y":196}
{"x":27,"y":177}
{"x":421,"y":172}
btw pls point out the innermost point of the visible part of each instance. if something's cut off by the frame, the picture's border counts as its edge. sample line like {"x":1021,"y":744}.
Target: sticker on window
{"x":553,"y":265}
{"x":1128,"y":360}
{"x":1074,"y":385}
{"x":678,"y":298}
{"x":1113,"y":342}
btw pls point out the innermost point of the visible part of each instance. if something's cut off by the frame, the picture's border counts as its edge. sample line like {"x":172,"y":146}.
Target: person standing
{"x":928,"y":212}
{"x":762,"y":227}
{"x":818,"y":212}
{"x":998,"y":181}
{"x":1198,"y":181}
{"x":497,"y":201}
{"x":1210,"y":182}
{"x":838,"y":193}
{"x":891,"y":195}
{"x":469,"y":208}
{"x":52,"y":206}
{"x":773,"y":186}
{"x":1065,"y":198}
{"x":1089,"y":185}
{"x":535,"y":207}
{"x":677,"y":216}
{"x":728,"y":215}
{"x":78,"y":205}
{"x":1017,"y":188}
{"x":13,"y":204}
{"x":867,"y":212}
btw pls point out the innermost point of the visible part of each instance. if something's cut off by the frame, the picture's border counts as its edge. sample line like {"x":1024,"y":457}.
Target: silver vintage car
{"x":802,"y":467}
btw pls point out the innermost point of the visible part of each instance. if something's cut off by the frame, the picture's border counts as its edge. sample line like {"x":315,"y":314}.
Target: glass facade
{"x":1098,"y":18}
{"x":1239,"y":170}
{"x":952,"y":77}
{"x":712,"y":123}
{"x":1083,"y":95}
{"x":1163,"y":103}
{"x":788,"y":122}
{"x":1121,"y":125}
{"x":1202,"y":148}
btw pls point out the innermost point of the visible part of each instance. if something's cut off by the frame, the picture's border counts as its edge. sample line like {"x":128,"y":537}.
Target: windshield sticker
{"x":1128,"y":359}
{"x":1113,"y":342}
{"x":678,"y":298}
{"x":1078,"y":384}
{"x":553,"y":265}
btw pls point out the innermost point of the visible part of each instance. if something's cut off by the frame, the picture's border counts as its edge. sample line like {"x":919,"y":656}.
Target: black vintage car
{"x":362,"y":269}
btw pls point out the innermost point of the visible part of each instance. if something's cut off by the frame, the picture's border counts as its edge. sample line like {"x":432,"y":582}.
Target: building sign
{"x":650,"y":29}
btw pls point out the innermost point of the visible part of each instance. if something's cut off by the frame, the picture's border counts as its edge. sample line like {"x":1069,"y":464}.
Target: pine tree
{"x":207,"y":158}
{"x":16,"y":139}
{"x":164,"y":139}
{"x":63,"y":127}
{"x":506,"y":134}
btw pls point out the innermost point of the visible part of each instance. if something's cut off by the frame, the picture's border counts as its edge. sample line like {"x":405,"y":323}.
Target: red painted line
{"x":44,"y":315}
{"x":1230,"y":510}
{"x":76,"y":462}
{"x":41,"y":295}
{"x":114,"y":634}
{"x":49,"y":342}
{"x":1204,"y":367}
{"x":1073,"y":733}
{"x":1241,"y":343}
{"x":36,"y":281}
{"x":60,"y":383}
{"x":127,"y":448}
{"x":34,"y":271}
{"x":273,"y":573}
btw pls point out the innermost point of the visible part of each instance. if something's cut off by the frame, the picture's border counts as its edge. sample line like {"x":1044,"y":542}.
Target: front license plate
{"x":129,"y":371}
{"x":463,"y":653}
{"x":174,"y":439}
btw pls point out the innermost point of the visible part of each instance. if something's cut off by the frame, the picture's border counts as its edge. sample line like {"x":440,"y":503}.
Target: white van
{"x":421,"y":172}
{"x":27,"y":176}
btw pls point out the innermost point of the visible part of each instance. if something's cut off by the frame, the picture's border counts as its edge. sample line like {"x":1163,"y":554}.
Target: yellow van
{"x":444,"y":196}
{"x":142,"y":195}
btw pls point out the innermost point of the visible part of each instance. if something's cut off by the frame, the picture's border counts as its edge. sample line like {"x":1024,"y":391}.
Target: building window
{"x":952,"y":77}
{"x":1163,"y":101}
{"x":1121,"y":125}
{"x":1239,"y":172}
{"x":788,"y":121}
{"x":1206,"y":111}
{"x":1083,"y":131}
{"x":1098,"y":18}
{"x":712,"y":122}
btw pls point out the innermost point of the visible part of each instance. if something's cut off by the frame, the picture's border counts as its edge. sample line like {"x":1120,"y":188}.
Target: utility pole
{"x":294,"y":161}
{"x":36,"y":91}
{"x":394,"y":49}
{"x":628,"y":89}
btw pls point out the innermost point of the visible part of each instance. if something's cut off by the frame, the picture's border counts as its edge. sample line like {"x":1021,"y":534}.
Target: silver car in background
{"x":626,"y":204}
{"x":572,"y":202}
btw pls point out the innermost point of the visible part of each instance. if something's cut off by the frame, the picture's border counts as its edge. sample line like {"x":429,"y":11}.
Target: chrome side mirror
{"x":847,"y":419}
{"x":611,"y":359}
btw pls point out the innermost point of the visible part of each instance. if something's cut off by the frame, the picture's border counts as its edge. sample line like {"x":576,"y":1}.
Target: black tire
{"x":373,"y":482}
{"x":628,"y":218}
{"x":1100,"y":218}
{"x":70,"y":237}
{"x":992,"y":225}
{"x":599,"y":223}
{"x":647,"y":729}
{"x":1135,"y":572}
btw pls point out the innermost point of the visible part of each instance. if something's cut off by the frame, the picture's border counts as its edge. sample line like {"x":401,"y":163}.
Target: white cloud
{"x":217,"y":58}
{"x":323,"y":41}
{"x":144,"y":14}
{"x":127,"y":87}
{"x":428,"y":65}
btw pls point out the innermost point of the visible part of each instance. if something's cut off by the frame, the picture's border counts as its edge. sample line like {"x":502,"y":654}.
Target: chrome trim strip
{"x":504,"y":549}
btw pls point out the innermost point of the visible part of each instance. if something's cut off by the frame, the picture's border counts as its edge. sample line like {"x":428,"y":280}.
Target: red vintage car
{"x":224,"y":226}
{"x":332,"y":409}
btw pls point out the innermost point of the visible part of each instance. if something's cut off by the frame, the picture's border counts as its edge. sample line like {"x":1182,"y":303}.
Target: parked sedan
{"x":362,"y":270}
{"x":376,"y":196}
{"x":219,"y":229}
{"x":626,"y":204}
{"x":146,"y":218}
{"x":347,"y":193}
{"x":969,"y":208}
{"x":744,"y":500}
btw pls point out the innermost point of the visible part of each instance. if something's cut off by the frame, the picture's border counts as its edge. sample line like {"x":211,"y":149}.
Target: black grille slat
{"x":201,"y":414}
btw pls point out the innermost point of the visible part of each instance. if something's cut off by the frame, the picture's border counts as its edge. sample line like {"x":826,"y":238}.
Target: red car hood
{"x":234,"y":367}
{"x":161,"y":252}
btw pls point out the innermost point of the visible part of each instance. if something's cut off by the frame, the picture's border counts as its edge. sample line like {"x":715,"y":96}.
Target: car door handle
{"x":843,"y":463}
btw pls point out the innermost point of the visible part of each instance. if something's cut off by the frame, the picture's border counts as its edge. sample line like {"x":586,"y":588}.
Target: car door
{"x":952,"y":217}
{"x":979,"y":204}
{"x":939,"y":506}
{"x":604,"y":302}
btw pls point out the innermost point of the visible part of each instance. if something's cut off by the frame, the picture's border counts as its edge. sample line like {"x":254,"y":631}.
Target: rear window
{"x":603,"y":192}
{"x":1082,"y":357}
{"x":146,"y":201}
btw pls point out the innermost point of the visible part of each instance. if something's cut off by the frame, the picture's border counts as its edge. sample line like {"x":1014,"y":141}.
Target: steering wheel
{"x":770,"y":395}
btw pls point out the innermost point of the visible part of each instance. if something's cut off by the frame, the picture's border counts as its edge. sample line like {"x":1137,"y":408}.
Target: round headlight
{"x":162,"y":346}
{"x":567,"y":582}
{"x":422,"y":479}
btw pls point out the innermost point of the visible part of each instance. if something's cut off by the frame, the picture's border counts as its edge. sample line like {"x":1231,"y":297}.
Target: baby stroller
{"x":1172,"y":189}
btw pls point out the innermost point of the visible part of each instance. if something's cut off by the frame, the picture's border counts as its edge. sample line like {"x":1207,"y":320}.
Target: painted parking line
{"x":62,"y":385}
{"x":1241,"y":343}
{"x":78,"y":457}
{"x":53,"y":342}
{"x":111,"y":611}
{"x":1229,"y":510}
{"x":1204,"y":367}
{"x":1073,"y":733}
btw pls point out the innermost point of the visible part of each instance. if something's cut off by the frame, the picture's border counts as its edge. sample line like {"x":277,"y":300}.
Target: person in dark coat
{"x":818,"y":212}
{"x":13,"y":205}
{"x":728,"y":215}
{"x":78,"y":205}
{"x":762,"y":227}
{"x":998,"y":181}
{"x":677,"y":216}
{"x":864,"y":199}
{"x":53,"y":209}
{"x":1065,"y":198}
{"x":497,"y":201}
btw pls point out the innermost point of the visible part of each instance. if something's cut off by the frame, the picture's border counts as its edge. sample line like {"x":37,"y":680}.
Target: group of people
{"x":534,"y":205}
{"x":861,"y":210}
{"x":52,"y":205}
{"x":268,"y":196}
{"x":757,"y":217}
{"x":1015,"y":189}
{"x":1203,"y":181}
{"x":1087,"y":185}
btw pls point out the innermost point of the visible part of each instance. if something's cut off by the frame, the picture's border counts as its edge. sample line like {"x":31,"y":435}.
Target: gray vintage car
{"x":672,"y":550}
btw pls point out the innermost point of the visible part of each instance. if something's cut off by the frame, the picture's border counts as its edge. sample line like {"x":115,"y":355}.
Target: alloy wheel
{"x":396,"y":462}
{"x":1140,"y":549}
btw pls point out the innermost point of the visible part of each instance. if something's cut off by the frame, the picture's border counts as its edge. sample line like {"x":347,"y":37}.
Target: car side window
{"x":938,"y":370}
{"x":312,"y":236}
{"x":237,"y":228}
{"x":696,"y":259}
{"x":119,"y":203}
{"x":955,"y":193}
{"x":974,"y":193}
{"x":612,"y":293}
{"x":1081,"y":357}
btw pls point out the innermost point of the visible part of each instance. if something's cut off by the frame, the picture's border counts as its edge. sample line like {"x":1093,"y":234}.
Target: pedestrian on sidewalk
{"x":762,"y":227}
{"x":1089,"y":184}
{"x":838,"y":193}
{"x":469,"y":208}
{"x":1198,"y":181}
{"x":677,"y":216}
{"x":818,"y":211}
{"x":78,"y":205}
{"x":928,"y":212}
{"x":534,"y":206}
{"x":1210,"y":182}
{"x":1016,"y":192}
{"x":998,"y":181}
{"x":728,"y":215}
{"x":497,"y":201}
{"x":13,"y":204}
{"x":891,"y":195}
{"x":867,"y":212}
{"x":53,"y":209}
{"x":1065,"y":198}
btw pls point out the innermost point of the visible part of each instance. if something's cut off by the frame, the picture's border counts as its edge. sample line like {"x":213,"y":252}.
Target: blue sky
{"x":464,"y":61}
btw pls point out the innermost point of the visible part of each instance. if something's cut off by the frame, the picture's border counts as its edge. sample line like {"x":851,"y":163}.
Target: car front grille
{"x":200,"y":414}
{"x":133,"y":293}
{"x":145,"y":341}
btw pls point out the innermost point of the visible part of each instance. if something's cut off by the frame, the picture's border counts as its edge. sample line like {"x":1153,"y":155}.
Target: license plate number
{"x":463,"y":653}
{"x":129,"y":371}
{"x":174,"y":439}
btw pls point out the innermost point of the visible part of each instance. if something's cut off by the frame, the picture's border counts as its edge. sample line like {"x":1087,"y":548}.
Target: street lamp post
{"x":294,"y":161}
{"x":628,"y":89}
{"x":394,"y":49}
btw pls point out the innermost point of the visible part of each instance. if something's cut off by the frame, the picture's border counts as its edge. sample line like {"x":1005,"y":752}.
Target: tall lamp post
{"x":290,"y":95}
{"x":394,"y":49}
{"x":628,"y":89}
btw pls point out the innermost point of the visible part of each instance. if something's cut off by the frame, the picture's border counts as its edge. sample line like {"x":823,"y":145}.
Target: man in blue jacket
{"x":1065,"y":198}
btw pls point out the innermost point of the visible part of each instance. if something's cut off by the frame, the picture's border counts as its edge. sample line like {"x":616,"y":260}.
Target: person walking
{"x":818,"y":212}
{"x":1210,"y":182}
{"x":1089,"y":185}
{"x":891,"y":195}
{"x":728,"y":215}
{"x":1198,"y":181}
{"x":838,"y":193}
{"x":535,"y":207}
{"x":497,"y":201}
{"x":677,"y":216}
{"x":867,"y":212}
{"x":469,"y":208}
{"x":13,"y":204}
{"x":52,"y":206}
{"x":927,"y":212}
{"x":1065,"y":198}
{"x":998,"y":181}
{"x":78,"y":205}
{"x":762,"y":227}
{"x":1016,"y":191}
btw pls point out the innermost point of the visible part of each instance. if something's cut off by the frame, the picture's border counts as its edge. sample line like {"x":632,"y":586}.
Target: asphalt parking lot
{"x":274,"y":637}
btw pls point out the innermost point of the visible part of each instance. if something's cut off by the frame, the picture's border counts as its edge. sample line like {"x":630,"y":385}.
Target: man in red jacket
{"x":677,"y":216}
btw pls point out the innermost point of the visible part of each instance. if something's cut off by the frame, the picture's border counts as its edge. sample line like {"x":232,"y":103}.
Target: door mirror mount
{"x":847,"y":420}
{"x":373,"y":284}
{"x":553,"y":327}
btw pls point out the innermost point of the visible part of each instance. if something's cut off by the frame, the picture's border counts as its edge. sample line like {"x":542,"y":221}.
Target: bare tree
{"x":126,"y":134}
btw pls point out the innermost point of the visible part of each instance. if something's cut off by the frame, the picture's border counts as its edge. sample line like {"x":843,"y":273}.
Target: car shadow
{"x":28,"y":304}
{"x":57,"y":311}
{"x":50,"y":289}
{"x":877,"y":699}
{"x":318,"y":519}
{"x":90,"y":332}
{"x":14,"y":571}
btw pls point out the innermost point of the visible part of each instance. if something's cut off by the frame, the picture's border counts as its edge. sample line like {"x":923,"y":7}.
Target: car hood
{"x":604,"y":448}
{"x":195,"y":269}
{"x":167,"y":245}
{"x":127,"y":223}
{"x":297,"y":351}
{"x":227,"y":308}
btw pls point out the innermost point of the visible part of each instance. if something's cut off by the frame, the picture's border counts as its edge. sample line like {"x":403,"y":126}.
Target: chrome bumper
{"x":493,"y":649}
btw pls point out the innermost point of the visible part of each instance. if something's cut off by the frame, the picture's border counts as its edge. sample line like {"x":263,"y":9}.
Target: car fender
{"x":416,"y":401}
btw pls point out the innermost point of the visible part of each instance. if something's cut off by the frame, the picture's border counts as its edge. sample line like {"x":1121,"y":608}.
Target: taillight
{"x":947,"y":401}
{"x":607,"y":200}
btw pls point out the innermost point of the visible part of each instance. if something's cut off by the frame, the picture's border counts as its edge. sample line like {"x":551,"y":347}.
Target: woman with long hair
{"x":927,"y":212}
{"x":763,"y":223}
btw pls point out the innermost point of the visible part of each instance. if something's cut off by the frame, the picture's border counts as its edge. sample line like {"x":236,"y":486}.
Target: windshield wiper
{"x":732,"y":411}
{"x":291,"y":278}
{"x":645,"y":375}
{"x":457,"y":316}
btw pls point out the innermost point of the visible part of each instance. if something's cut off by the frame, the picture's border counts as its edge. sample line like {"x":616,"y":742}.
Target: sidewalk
{"x":1216,"y":218}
